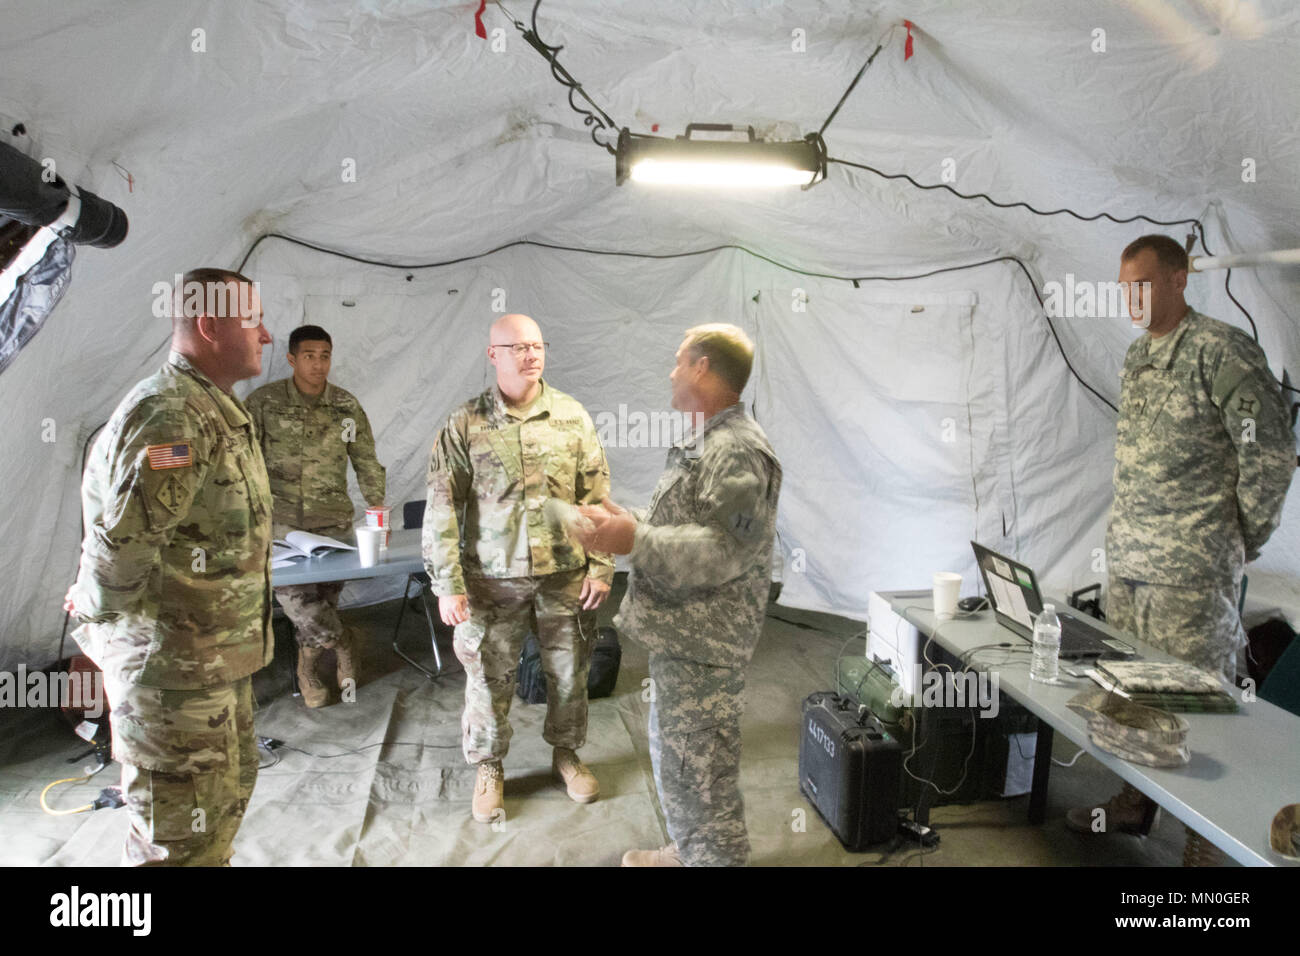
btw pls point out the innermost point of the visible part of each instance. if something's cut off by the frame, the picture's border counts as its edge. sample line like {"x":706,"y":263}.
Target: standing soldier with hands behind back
{"x":309,"y":429}
{"x":174,"y":591}
{"x":1203,"y":458}
{"x":505,"y":474}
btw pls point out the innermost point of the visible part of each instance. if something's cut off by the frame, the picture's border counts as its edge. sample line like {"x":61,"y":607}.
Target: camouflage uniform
{"x":697,"y":594}
{"x":307,"y":441}
{"x":1196,"y":492}
{"x":487,"y":534}
{"x":174,"y":596}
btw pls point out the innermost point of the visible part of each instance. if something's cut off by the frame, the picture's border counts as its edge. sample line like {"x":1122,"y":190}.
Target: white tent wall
{"x":459,"y":149}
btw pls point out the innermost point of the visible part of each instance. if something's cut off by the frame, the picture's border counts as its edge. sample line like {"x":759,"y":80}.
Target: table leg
{"x":1042,"y":766}
{"x":928,"y":730}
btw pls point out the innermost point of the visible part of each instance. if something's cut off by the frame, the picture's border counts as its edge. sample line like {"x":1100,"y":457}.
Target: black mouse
{"x":972,"y":604}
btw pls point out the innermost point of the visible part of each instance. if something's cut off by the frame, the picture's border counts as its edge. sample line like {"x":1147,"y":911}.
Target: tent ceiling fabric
{"x":459,"y":148}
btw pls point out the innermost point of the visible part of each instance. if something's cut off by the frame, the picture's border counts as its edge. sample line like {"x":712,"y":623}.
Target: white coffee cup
{"x":368,"y":541}
{"x":947,"y":589}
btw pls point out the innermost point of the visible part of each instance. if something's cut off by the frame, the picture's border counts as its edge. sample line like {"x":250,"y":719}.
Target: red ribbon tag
{"x":480,"y":31}
{"x":907,"y":48}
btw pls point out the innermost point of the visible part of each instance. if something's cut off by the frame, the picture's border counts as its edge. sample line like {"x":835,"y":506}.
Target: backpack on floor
{"x":606,"y":656}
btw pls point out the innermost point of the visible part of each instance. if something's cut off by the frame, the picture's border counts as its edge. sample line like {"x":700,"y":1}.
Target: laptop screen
{"x":1012,"y":589}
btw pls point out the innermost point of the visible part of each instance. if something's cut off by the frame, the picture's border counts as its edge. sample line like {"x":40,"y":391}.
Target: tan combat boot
{"x":577,"y":778}
{"x":664,"y":856}
{"x":347,"y":668}
{"x":1129,"y":811}
{"x":1199,"y":851}
{"x":489,"y":789}
{"x":310,"y":686}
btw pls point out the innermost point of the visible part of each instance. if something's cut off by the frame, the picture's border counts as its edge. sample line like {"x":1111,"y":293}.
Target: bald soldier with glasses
{"x":506,"y":469}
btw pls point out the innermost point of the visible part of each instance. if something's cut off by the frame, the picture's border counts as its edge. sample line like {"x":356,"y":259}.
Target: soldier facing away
{"x":309,"y":429}
{"x":503,"y":561}
{"x":174,"y":590}
{"x":701,"y":557}
{"x":1203,"y":458}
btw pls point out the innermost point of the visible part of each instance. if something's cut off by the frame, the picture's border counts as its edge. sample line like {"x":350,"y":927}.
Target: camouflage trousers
{"x":695,"y":714}
{"x":1200,"y":625}
{"x":502,"y":611}
{"x":314,"y":611}
{"x":189,"y":761}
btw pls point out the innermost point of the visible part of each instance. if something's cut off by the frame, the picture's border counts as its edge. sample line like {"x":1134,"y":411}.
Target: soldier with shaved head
{"x":506,"y":470}
{"x":174,"y":591}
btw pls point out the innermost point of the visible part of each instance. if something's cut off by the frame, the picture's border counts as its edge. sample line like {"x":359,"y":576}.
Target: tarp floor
{"x":403,"y":797}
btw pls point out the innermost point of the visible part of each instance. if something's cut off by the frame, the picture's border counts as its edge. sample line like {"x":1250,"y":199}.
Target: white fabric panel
{"x":459,"y":149}
{"x":870,"y":417}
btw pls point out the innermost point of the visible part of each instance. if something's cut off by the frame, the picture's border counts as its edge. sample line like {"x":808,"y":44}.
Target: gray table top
{"x":401,"y":557}
{"x":1245,"y":766}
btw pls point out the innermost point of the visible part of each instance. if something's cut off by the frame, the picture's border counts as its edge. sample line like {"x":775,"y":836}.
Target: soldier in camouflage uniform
{"x":505,"y":473}
{"x":309,"y":429}
{"x":174,"y":591}
{"x":701,"y":557}
{"x":1203,"y":458}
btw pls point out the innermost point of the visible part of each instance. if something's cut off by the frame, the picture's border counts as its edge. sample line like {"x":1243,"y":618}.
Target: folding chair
{"x":413,"y":517}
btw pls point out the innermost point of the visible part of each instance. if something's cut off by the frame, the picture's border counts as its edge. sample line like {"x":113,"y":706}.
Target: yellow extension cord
{"x":62,"y":813}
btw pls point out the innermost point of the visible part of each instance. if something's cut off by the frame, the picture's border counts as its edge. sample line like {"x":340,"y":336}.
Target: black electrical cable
{"x":698,"y":252}
{"x":1013,"y":205}
{"x":1227,"y":279}
{"x":1197,"y":225}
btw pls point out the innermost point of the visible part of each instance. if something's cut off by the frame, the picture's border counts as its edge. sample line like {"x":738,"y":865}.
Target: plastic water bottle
{"x":1047,"y":646}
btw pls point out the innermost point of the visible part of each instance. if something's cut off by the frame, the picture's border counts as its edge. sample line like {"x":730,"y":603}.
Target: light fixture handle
{"x":718,"y":128}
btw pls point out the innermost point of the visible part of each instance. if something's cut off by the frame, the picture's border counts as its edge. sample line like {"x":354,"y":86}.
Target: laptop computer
{"x":1012,"y":588}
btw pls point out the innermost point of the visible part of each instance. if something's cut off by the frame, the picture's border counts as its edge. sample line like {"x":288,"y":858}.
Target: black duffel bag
{"x":606,"y":656}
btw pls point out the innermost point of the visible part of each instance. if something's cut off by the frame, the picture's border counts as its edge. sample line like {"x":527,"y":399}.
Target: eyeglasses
{"x":523,"y":348}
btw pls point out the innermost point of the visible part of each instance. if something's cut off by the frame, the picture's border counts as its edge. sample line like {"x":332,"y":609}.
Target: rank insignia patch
{"x":171,"y":493}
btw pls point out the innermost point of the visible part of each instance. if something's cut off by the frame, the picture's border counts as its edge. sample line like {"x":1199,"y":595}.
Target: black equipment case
{"x":850,"y":769}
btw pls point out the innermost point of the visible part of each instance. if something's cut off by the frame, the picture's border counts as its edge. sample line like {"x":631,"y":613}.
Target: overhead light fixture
{"x":734,"y":163}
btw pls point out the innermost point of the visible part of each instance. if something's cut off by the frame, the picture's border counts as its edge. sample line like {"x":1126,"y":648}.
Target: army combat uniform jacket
{"x":307,"y":446}
{"x":175,"y":583}
{"x":490,"y":476}
{"x":1203,"y":456}
{"x":702,"y":555}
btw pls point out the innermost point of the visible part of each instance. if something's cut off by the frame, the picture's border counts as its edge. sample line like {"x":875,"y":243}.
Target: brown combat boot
{"x":664,"y":856}
{"x":489,"y":789}
{"x":310,"y":686}
{"x":578,"y":780}
{"x":347,"y":668}
{"x":1129,"y":811}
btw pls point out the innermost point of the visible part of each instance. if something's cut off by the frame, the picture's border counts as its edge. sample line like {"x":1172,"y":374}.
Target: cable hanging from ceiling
{"x":565,"y":78}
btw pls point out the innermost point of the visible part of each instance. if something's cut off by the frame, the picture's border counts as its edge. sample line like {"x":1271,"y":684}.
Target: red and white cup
{"x":381,"y":517}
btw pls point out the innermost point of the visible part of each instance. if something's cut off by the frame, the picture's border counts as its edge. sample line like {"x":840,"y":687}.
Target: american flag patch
{"x":170,"y":456}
